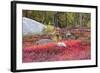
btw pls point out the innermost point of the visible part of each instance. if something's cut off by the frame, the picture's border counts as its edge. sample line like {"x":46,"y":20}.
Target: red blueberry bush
{"x":75,"y":50}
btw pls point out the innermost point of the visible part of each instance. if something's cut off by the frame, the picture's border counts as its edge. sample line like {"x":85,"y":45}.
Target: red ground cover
{"x":75,"y":50}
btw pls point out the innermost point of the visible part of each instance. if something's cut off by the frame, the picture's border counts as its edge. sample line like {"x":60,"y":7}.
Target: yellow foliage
{"x":49,"y":29}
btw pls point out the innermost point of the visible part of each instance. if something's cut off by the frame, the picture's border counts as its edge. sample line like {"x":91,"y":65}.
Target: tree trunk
{"x":80,"y":20}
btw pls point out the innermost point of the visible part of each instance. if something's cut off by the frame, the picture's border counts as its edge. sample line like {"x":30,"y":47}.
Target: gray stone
{"x":44,"y":41}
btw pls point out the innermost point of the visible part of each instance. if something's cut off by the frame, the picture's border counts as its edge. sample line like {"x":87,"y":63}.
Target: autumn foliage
{"x":75,"y":50}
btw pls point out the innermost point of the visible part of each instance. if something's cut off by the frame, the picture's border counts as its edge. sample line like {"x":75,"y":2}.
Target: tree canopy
{"x":60,"y":19}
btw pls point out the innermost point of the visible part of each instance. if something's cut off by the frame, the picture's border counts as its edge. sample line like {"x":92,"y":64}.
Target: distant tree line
{"x":60,"y":19}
